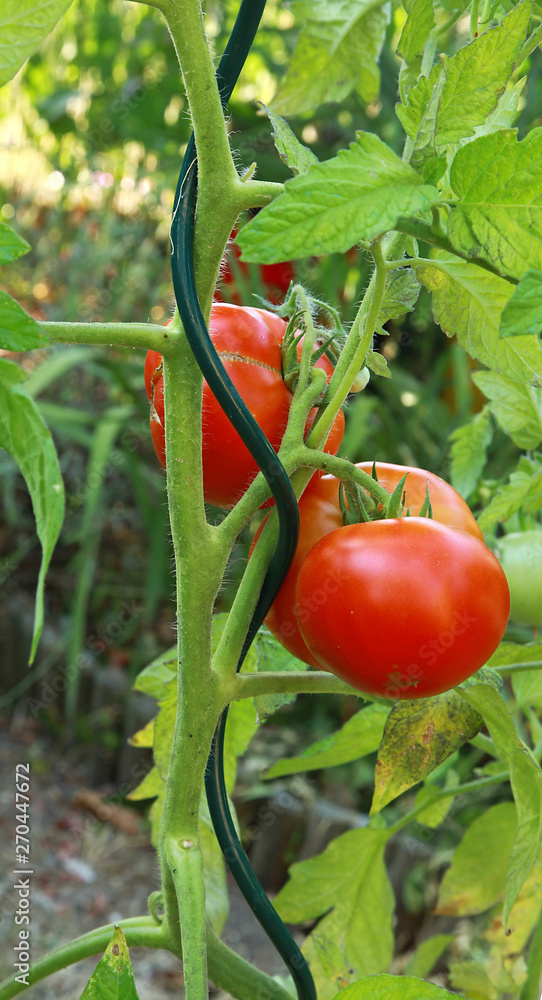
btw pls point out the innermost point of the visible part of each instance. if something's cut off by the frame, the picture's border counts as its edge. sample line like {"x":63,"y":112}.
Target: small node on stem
{"x":187,"y":844}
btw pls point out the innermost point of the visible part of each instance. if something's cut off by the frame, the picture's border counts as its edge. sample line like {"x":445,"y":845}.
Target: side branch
{"x":145,"y":335}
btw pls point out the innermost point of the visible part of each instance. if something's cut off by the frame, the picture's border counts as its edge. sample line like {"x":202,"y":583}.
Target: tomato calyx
{"x":358,"y":505}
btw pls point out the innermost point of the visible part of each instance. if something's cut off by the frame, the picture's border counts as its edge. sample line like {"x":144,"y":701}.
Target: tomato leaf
{"x":464,"y":89}
{"x":12,"y":245}
{"x":517,"y":407}
{"x":476,"y":877}
{"x":418,"y":736}
{"x":356,"y":195}
{"x":526,"y":782}
{"x":468,"y":302}
{"x":296,"y":156}
{"x":436,"y":810}
{"x":469,"y":451}
{"x":337,"y":51}
{"x":522,"y":491}
{"x":416,"y":30}
{"x":272,"y":656}
{"x":418,"y":115}
{"x":377,"y":363}
{"x":24,"y":435}
{"x":401,"y":293}
{"x":155,"y":677}
{"x":18,"y":331}
{"x":498,"y":181}
{"x":113,"y":976}
{"x":427,"y":954}
{"x":349,"y":880}
{"x":523,"y":312}
{"x":477,"y":75}
{"x":358,"y":737}
{"x":25,"y":23}
{"x":386,"y":987}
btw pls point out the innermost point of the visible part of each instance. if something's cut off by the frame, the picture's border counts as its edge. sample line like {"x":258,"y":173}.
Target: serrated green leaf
{"x":217,"y":902}
{"x":517,"y":407}
{"x":18,"y":331}
{"x":148,"y":788}
{"x":498,"y":181}
{"x":377,"y":363}
{"x":358,"y":737}
{"x":468,"y":302}
{"x":418,"y":736}
{"x":523,"y":490}
{"x":23,"y":26}
{"x":296,"y":156}
{"x":418,"y":115}
{"x":416,"y":30}
{"x":356,"y":195}
{"x":401,"y":293}
{"x":477,"y":75}
{"x":12,"y":245}
{"x":427,"y":954}
{"x":272,"y":656}
{"x":113,"y":978}
{"x":348,"y":879}
{"x":337,"y":52}
{"x":523,"y":312}
{"x":476,"y":877}
{"x":469,"y":451}
{"x":152,"y":680}
{"x":386,"y":987}
{"x":526,"y":782}
{"x":436,"y":811}
{"x":527,"y":685}
{"x":24,"y":435}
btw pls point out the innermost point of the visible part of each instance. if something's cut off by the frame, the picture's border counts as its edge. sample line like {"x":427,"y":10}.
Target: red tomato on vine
{"x":320,"y":514}
{"x":402,"y":608}
{"x":249,"y":343}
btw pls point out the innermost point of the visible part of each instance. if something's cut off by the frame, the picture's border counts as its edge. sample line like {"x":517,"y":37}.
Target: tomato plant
{"x":401,"y":608}
{"x":520,"y":554}
{"x":320,"y":513}
{"x":249,"y":344}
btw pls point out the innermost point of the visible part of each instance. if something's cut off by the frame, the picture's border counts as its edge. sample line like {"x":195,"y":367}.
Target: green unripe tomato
{"x":361,"y":380}
{"x":520,"y":554}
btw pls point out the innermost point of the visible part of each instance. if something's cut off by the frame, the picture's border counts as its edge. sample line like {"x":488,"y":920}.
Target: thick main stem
{"x":200,"y":562}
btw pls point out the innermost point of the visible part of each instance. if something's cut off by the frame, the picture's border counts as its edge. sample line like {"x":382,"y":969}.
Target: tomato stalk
{"x":533,"y":985}
{"x":139,"y":932}
{"x":145,"y":335}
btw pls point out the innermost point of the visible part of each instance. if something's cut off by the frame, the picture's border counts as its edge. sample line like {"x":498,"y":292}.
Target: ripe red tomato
{"x":319,"y":514}
{"x":402,"y":608}
{"x":275,"y":278}
{"x":249,"y":343}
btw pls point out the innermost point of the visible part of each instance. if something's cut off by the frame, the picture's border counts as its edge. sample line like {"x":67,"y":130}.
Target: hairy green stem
{"x":532,"y":989}
{"x":145,"y":335}
{"x":252,"y":685}
{"x":422,"y":231}
{"x":530,"y":45}
{"x":186,"y":868}
{"x":355,"y":350}
{"x":237,"y":977}
{"x":200,"y":561}
{"x":138,"y":931}
{"x":446,"y":793}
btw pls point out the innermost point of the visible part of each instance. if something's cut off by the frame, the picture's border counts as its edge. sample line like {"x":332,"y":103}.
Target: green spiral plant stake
{"x":184,"y":284}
